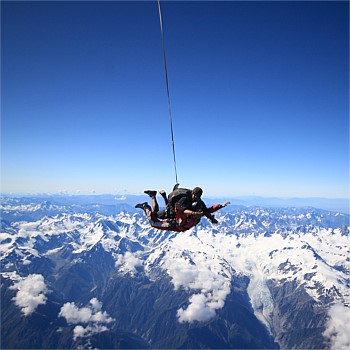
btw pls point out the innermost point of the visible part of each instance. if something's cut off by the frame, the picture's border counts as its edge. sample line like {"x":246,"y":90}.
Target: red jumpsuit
{"x":182,"y":221}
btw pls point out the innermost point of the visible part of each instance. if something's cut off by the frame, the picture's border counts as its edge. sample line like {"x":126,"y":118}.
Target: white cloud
{"x":203,"y":275}
{"x":90,"y":315}
{"x":203,"y":306}
{"x":75,"y":315}
{"x":338,"y":327}
{"x":181,"y":274}
{"x":31,"y":293}
{"x":80,"y":331}
{"x":198,"y":310}
{"x":95,"y":304}
{"x":128,"y":261}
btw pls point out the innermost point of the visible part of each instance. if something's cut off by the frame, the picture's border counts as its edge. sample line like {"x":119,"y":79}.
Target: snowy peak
{"x":271,"y":253}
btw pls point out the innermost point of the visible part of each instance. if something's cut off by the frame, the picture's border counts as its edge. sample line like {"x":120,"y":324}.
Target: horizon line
{"x":68,"y":194}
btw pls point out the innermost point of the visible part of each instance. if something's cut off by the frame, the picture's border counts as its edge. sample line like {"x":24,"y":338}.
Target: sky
{"x":259,"y":97}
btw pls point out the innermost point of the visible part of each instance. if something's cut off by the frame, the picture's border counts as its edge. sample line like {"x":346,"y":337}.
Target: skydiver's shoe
{"x":151,"y":193}
{"x":163,"y":194}
{"x":142,"y":205}
{"x":175,"y":187}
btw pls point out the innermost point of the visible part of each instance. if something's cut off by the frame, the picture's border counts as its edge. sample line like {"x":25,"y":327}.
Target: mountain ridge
{"x":330,"y":204}
{"x":261,"y":278}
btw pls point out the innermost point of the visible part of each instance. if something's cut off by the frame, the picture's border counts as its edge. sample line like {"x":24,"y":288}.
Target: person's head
{"x":197,"y":193}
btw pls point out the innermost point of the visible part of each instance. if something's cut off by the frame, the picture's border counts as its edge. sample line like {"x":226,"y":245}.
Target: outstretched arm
{"x":217,"y":207}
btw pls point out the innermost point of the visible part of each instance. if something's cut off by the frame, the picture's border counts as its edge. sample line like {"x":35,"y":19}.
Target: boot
{"x":151,"y":193}
{"x":142,"y":205}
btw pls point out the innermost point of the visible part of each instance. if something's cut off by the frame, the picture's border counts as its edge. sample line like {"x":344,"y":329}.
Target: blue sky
{"x":259,"y":96}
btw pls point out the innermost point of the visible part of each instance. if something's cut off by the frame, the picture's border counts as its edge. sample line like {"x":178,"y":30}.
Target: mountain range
{"x":82,"y":273}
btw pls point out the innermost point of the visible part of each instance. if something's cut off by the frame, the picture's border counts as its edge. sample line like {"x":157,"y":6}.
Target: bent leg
{"x":163,"y":194}
{"x":155,"y":206}
{"x":155,"y":222}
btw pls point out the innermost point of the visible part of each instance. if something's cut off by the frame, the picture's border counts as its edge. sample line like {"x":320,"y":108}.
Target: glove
{"x":213,"y":220}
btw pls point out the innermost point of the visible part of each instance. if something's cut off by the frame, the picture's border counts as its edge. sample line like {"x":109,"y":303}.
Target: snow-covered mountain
{"x":97,"y":275}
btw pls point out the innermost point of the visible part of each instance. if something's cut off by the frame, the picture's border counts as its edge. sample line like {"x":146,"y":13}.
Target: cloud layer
{"x":338,"y":327}
{"x":91,"y":316}
{"x":31,"y":293}
{"x":128,"y":262}
{"x":211,"y":287}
